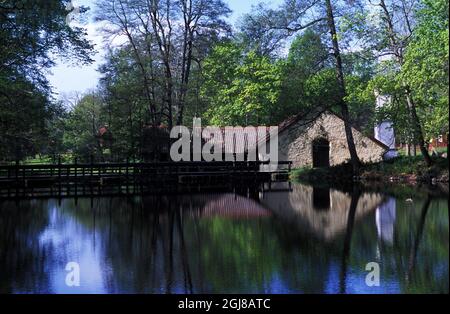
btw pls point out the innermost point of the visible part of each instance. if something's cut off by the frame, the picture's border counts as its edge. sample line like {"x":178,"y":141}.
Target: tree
{"x":82,"y":127}
{"x":242,"y":89}
{"x":257,"y":31}
{"x":167,"y":38}
{"x":24,"y":110}
{"x":307,"y":60}
{"x":125,"y":102}
{"x":426,"y":66}
{"x":342,"y":88}
{"x":308,"y":80}
{"x":295,"y":16}
{"x":390,"y":36}
{"x":33,"y":34}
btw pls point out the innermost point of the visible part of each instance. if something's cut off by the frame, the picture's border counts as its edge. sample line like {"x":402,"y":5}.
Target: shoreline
{"x":402,"y":170}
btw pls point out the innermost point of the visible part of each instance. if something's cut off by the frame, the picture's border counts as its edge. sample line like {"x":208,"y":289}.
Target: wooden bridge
{"x":78,"y":179}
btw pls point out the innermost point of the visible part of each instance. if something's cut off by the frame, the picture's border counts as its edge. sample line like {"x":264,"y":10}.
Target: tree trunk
{"x":397,"y":46}
{"x":417,"y":129}
{"x":340,"y":78}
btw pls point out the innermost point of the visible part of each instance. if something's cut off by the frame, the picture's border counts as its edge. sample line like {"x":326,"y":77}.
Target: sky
{"x":66,"y":78}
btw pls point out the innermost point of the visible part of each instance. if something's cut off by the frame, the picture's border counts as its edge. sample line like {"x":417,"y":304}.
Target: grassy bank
{"x":401,"y":169}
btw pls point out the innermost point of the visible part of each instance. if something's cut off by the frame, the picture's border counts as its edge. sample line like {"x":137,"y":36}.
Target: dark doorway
{"x":321,"y":153}
{"x":321,"y":198}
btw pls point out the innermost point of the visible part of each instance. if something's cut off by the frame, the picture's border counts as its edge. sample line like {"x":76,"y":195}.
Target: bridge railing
{"x":82,"y":170}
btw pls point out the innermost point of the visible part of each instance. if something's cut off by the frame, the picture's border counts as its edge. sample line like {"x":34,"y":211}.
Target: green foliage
{"x":426,"y":65}
{"x":420,"y":67}
{"x":32,"y":34}
{"x":246,"y":88}
{"x":408,"y":168}
{"x":247,"y":80}
{"x":22,"y":126}
{"x":306,"y":78}
{"x":242,"y":89}
{"x":82,"y":127}
{"x":125,"y":107}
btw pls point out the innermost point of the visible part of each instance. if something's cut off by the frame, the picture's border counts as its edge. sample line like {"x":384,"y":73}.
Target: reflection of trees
{"x":21,"y":257}
{"x":360,"y":234}
{"x":162,"y":244}
{"x":142,"y":241}
{"x":348,"y":238}
{"x":418,"y":232}
{"x":168,"y":244}
{"x":420,"y":254}
{"x":238,"y":256}
{"x":203,"y":243}
{"x":305,"y":259}
{"x":427,"y":259}
{"x":415,"y":247}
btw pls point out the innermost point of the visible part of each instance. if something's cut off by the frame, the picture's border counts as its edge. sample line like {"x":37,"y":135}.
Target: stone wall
{"x":295,"y":142}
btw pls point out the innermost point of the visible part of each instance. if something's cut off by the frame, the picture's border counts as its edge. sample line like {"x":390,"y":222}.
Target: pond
{"x":286,"y":238}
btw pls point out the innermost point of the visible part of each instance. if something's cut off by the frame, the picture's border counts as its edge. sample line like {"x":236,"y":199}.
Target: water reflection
{"x":292,"y":239}
{"x":385,"y":220}
{"x":321,"y":198}
{"x":323,"y":213}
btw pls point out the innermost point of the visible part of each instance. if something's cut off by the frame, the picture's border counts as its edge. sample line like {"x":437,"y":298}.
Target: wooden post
{"x":177,"y":175}
{"x":17,"y":170}
{"x":119,"y":175}
{"x":83,"y":169}
{"x":17,"y":177}
{"x":76,"y":179}
{"x":23,"y":177}
{"x":92,"y":174}
{"x":59,"y":175}
{"x":68,"y":171}
{"x":126,"y":175}
{"x":141,"y":187}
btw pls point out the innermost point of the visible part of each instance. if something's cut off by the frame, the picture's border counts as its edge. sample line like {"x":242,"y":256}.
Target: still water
{"x":290,"y":239}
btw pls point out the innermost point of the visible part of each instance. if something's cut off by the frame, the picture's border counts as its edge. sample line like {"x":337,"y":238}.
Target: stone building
{"x":319,"y":140}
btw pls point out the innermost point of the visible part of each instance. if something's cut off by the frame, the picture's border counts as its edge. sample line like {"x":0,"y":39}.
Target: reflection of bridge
{"x":321,"y":212}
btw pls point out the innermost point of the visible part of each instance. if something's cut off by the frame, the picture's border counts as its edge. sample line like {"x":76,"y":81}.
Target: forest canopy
{"x":182,"y":59}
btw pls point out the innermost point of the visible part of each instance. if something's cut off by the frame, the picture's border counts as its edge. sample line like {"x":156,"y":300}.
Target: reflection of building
{"x":233,"y":206}
{"x":305,"y":206}
{"x":385,"y":220}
